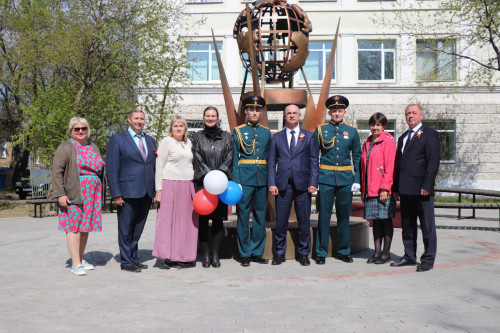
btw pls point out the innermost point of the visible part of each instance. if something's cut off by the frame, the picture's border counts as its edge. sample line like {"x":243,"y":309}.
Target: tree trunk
{"x":18,"y":165}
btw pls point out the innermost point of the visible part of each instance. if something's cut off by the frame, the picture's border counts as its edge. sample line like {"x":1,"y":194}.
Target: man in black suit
{"x":292,"y":176}
{"x":417,"y":164}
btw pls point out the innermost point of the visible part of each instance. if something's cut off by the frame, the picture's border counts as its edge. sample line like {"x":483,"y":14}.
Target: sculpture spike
{"x":251,"y":55}
{"x":228,"y":99}
{"x":320,"y":114}
{"x":310,"y":107}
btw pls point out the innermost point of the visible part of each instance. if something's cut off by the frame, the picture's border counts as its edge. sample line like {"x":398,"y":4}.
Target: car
{"x":24,"y":187}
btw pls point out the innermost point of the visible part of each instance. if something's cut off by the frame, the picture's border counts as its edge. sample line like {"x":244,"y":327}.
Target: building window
{"x":203,"y":62}
{"x":317,"y":61}
{"x":435,"y":61}
{"x":203,"y":1}
{"x":3,"y":149}
{"x":376,"y":60}
{"x":364,"y":129}
{"x":446,"y":130}
{"x":194,"y":126}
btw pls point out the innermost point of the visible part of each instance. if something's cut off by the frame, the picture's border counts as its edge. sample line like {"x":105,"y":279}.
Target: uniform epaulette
{"x":324,"y":124}
{"x":264,"y":126}
{"x":241,"y":126}
{"x":349,"y":125}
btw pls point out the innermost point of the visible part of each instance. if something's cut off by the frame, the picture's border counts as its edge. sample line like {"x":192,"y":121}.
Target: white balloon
{"x":215,"y":182}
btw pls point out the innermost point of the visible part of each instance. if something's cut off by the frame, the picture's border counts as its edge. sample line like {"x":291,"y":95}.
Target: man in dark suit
{"x":417,"y":164}
{"x":292,"y":176}
{"x":130,"y":169}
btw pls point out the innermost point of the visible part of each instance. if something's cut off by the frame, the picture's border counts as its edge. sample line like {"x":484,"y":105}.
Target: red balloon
{"x":205,"y":203}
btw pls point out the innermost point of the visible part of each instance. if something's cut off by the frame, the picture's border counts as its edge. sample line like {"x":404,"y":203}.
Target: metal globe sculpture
{"x":280,"y":38}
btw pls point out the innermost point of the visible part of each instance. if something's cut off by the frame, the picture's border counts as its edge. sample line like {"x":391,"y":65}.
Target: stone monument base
{"x":359,"y":237}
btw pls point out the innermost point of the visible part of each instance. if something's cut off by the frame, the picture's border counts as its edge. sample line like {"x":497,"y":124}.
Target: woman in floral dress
{"x":77,"y":172}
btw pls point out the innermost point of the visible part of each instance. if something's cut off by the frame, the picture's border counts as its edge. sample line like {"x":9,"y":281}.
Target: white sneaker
{"x":78,"y":270}
{"x":87,"y":266}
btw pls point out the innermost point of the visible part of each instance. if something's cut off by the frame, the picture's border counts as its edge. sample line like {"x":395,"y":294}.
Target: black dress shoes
{"x":245,"y":262}
{"x":164,"y":265}
{"x":205,"y":261}
{"x":141,"y":266}
{"x":320,"y":260}
{"x":132,"y":268}
{"x":403,"y":262}
{"x":303,"y":260}
{"x":215,"y":259}
{"x":278,"y":259}
{"x":423,"y":267}
{"x":372,"y":259}
{"x":259,"y":260}
{"x":382,"y":260}
{"x":344,"y":258}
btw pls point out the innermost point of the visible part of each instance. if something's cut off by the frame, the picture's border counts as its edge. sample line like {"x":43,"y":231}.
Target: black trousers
{"x":413,"y":206}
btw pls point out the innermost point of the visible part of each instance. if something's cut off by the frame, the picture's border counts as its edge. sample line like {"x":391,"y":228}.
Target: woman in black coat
{"x":212,"y":150}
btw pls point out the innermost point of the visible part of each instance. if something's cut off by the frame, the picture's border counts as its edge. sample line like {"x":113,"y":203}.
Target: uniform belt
{"x":335,"y":167}
{"x":252,"y":162}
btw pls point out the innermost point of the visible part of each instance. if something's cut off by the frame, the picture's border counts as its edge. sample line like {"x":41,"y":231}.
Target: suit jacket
{"x":302,"y":165}
{"x":127,"y":173}
{"x":418,"y":166}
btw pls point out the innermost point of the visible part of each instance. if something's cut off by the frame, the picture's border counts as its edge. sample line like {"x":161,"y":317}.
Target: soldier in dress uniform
{"x":251,"y":144}
{"x":338,"y":177}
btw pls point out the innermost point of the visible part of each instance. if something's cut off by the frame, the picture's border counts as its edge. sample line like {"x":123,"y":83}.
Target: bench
{"x":38,"y":203}
{"x":468,"y":205}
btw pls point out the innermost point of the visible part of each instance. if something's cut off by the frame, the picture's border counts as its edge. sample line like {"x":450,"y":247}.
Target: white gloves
{"x":355,"y":187}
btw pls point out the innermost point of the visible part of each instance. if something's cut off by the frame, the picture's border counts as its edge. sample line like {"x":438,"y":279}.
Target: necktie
{"x":141,"y":147}
{"x":292,"y":142}
{"x":408,"y":138}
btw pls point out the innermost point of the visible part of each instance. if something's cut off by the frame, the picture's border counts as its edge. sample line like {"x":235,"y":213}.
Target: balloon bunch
{"x":217,"y":186}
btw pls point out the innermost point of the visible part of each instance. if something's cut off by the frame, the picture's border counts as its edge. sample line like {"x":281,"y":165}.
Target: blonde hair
{"x":78,"y":120}
{"x":178,"y":119}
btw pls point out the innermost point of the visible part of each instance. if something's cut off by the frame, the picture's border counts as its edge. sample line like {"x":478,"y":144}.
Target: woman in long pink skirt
{"x":176,"y":234}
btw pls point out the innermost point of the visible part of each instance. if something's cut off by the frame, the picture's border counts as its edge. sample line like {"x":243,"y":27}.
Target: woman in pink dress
{"x":77,"y":172}
{"x":176,"y":235}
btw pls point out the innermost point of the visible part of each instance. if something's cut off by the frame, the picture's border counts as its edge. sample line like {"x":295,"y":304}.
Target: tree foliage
{"x":91,"y":58}
{"x":470,"y":30}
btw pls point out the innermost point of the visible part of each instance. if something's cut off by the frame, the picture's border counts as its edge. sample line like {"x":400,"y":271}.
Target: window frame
{"x":3,"y":149}
{"x":383,"y":51}
{"x":324,"y":52}
{"x":211,"y":58}
{"x":362,"y":131}
{"x":436,"y":69}
{"x":428,"y":122}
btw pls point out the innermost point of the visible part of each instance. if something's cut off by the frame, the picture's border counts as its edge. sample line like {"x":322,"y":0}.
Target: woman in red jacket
{"x":377,"y":168}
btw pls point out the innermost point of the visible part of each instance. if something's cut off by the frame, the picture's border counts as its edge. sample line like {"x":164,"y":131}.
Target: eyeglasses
{"x":78,"y":129}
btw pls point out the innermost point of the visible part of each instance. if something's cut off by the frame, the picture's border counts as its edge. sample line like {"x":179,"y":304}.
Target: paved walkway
{"x":39,"y":294}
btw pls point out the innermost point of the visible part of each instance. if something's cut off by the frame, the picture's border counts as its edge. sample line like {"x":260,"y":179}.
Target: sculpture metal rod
{"x":320,"y":114}
{"x":228,"y":99}
{"x":310,"y":107}
{"x":251,"y":55}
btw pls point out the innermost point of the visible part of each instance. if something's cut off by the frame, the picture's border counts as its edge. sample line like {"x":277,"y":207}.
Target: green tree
{"x":453,"y":30}
{"x":91,"y":58}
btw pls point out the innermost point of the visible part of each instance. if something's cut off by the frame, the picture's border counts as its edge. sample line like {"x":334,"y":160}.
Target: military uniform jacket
{"x":251,"y":143}
{"x":337,"y":143}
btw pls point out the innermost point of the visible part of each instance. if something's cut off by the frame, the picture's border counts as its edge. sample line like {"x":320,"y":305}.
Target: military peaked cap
{"x":337,"y":102}
{"x":254,"y":101}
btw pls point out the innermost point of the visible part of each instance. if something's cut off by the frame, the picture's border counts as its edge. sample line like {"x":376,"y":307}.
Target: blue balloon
{"x":232,"y":194}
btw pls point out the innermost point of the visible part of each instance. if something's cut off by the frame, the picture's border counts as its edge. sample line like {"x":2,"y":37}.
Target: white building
{"x":466,"y":117}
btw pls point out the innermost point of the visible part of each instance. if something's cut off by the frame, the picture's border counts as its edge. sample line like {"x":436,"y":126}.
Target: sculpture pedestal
{"x":359,"y":237}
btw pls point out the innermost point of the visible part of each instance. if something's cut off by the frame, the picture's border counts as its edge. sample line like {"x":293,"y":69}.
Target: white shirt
{"x":174,"y":161}
{"x":414,"y":130}
{"x":295,"y":134}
